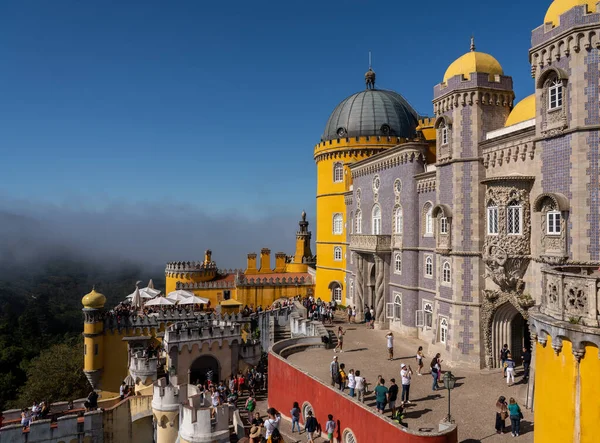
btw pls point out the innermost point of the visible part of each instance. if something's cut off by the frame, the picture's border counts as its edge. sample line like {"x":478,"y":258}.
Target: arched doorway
{"x":509,"y":327}
{"x":204,"y":368}
{"x":370,"y":298}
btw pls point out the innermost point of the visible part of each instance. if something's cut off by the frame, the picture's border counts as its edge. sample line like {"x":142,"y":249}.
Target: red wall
{"x":288,"y":384}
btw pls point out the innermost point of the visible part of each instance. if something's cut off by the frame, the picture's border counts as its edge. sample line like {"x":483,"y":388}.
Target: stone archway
{"x":204,"y":367}
{"x":504,"y":318}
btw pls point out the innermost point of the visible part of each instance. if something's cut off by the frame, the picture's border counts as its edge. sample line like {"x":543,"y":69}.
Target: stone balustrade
{"x":571,"y":294}
{"x":371,"y":243}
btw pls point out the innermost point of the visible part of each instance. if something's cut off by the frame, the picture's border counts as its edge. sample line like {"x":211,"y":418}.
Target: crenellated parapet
{"x":182,"y":334}
{"x":190,"y":266}
{"x":201,"y":423}
{"x":409,"y":152}
{"x":164,"y":317}
{"x":278,"y":281}
{"x":142,"y":368}
{"x":218,"y":284}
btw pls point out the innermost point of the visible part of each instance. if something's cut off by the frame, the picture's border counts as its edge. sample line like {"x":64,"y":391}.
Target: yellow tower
{"x":93,"y":336}
{"x":363,"y":124}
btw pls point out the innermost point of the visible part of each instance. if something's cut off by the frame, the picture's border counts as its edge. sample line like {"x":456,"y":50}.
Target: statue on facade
{"x":370,"y":79}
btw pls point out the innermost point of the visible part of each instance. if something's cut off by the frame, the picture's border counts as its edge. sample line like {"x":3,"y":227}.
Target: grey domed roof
{"x":372,"y":112}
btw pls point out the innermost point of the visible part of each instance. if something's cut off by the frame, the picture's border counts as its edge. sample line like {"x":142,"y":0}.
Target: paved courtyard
{"x":472,"y":400}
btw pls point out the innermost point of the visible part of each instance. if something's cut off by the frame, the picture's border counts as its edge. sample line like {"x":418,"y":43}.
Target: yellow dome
{"x":523,"y":111}
{"x":93,"y":300}
{"x":473,"y":62}
{"x":559,"y":7}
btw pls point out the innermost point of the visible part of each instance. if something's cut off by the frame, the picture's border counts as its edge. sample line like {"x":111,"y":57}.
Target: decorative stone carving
{"x":379,"y":290}
{"x":360,"y":285}
{"x":554,"y":122}
{"x":578,"y":354}
{"x":371,"y":243}
{"x":575,"y":296}
{"x":507,"y":256}
{"x":554,"y":246}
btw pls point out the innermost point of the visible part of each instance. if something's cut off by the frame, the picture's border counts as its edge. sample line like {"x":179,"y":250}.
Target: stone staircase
{"x":282,"y":333}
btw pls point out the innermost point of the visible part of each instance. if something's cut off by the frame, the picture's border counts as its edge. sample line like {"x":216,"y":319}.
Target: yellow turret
{"x":93,"y":336}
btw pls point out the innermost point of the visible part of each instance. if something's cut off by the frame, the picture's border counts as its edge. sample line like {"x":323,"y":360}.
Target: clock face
{"x":341,"y":132}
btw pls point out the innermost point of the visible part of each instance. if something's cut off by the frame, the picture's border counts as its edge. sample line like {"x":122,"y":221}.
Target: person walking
{"x":514,"y":411}
{"x":349,"y":312}
{"x":390,"y":345}
{"x":510,"y":369}
{"x":310,"y":426}
{"x":503,"y":357}
{"x":501,"y":414}
{"x":351,"y":382}
{"x":367,"y":317}
{"x":406,"y":374}
{"x":381,"y":396}
{"x":340,"y":336}
{"x":435,"y":369}
{"x":272,"y":422}
{"x":295,"y":414}
{"x":250,"y":407}
{"x":334,"y":370}
{"x":354,"y":314}
{"x":392,"y":396}
{"x":419,"y":359}
{"x":330,"y":428}
{"x":360,"y":387}
{"x":526,"y":357}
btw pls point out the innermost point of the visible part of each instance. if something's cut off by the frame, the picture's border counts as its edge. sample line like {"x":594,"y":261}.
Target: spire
{"x":472,"y":43}
{"x":370,"y":75}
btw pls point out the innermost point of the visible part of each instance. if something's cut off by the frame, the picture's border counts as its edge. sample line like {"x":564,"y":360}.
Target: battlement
{"x":201,"y":423}
{"x":163,"y":317}
{"x":141,"y":368}
{"x":358,"y":143}
{"x":168,"y":395}
{"x":426,"y":122}
{"x":66,"y":428}
{"x":186,"y":332}
{"x":190,"y":266}
{"x":277,"y":281}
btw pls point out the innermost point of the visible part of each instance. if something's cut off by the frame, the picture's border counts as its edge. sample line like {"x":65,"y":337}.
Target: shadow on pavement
{"x":416,"y":414}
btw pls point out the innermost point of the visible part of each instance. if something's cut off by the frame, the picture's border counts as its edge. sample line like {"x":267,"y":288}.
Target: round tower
{"x":93,"y":336}
{"x":165,"y":409}
{"x":362,"y":125}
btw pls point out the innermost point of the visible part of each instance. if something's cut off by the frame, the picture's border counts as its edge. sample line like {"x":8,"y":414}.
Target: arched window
{"x":398,"y":263}
{"x":376,"y":220}
{"x":337,"y":253}
{"x":398,"y":220}
{"x":443,"y":330}
{"x":443,"y":134}
{"x":555,"y":95}
{"x":514,"y":216}
{"x":428,"y":266}
{"x":338,"y":223}
{"x":358,"y":222}
{"x":446,"y":272}
{"x":428,"y":220}
{"x":336,"y":293}
{"x":398,"y":307}
{"x":492,"y":219}
{"x":338,"y":172}
{"x":553,"y":223}
{"x":443,"y":225}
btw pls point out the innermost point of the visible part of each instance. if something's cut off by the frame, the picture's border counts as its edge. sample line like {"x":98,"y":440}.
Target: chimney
{"x":265,"y":261}
{"x":251,"y":264}
{"x":279,"y":262}
{"x":207,"y":257}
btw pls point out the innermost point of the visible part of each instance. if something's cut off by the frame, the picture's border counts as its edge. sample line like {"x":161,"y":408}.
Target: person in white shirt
{"x":272,"y":422}
{"x":406,"y":374}
{"x":359,"y":387}
{"x":351,"y":382}
{"x":390,"y":345}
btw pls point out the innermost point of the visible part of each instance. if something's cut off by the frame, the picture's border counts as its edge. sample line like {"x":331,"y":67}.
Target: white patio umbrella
{"x":179,"y":295}
{"x":149,"y":291}
{"x":151,"y":284}
{"x":194,"y":301}
{"x":143,"y":294}
{"x":136,"y":300}
{"x":160,"y":301}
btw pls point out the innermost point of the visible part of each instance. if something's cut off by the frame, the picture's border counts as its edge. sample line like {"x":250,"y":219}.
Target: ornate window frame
{"x":554,"y":246}
{"x":358,"y":221}
{"x":338,"y":172}
{"x":492,"y":223}
{"x":443,"y":127}
{"x":554,"y":116}
{"x":398,"y":219}
{"x":348,"y":436}
{"x":397,"y":187}
{"x":443,"y":238}
{"x":428,"y":313}
{"x":376,"y":184}
{"x":446,"y":273}
{"x":337,"y":253}
{"x":393,"y":309}
{"x":427,"y":220}
{"x":398,"y":263}
{"x":514,"y":218}
{"x":443,"y":329}
{"x":428,"y":268}
{"x":376,"y":228}
{"x":338,"y":223}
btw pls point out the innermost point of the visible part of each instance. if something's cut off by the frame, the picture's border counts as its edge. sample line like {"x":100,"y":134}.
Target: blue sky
{"x":214,"y":105}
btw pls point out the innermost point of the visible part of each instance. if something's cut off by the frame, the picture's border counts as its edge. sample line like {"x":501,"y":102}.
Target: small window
{"x":398,"y":220}
{"x":443,"y":225}
{"x":555,"y":95}
{"x":338,"y":223}
{"x":492,"y":220}
{"x":514,"y":213}
{"x":397,"y":306}
{"x":358,"y":222}
{"x":553,"y":223}
{"x":84,"y":349}
{"x":338,"y":172}
{"x":444,"y":330}
{"x":376,"y":225}
{"x":446,"y":272}
{"x":96,"y":349}
{"x":428,"y":310}
{"x":428,"y":266}
{"x":444,"y":135}
{"x":337,"y":253}
{"x":337,"y":294}
{"x":428,"y":220}
{"x":376,"y":184}
{"x":398,"y":263}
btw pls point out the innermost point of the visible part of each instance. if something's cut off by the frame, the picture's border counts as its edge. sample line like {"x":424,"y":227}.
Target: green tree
{"x":55,"y":375}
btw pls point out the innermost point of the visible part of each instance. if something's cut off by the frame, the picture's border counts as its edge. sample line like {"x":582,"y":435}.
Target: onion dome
{"x":373,"y":112}
{"x":559,"y":7}
{"x":473,"y":61}
{"x":523,"y":111}
{"x":93,"y":300}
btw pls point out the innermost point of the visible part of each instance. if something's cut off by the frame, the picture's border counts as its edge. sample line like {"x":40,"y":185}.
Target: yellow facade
{"x":330,"y":201}
{"x":589,"y":370}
